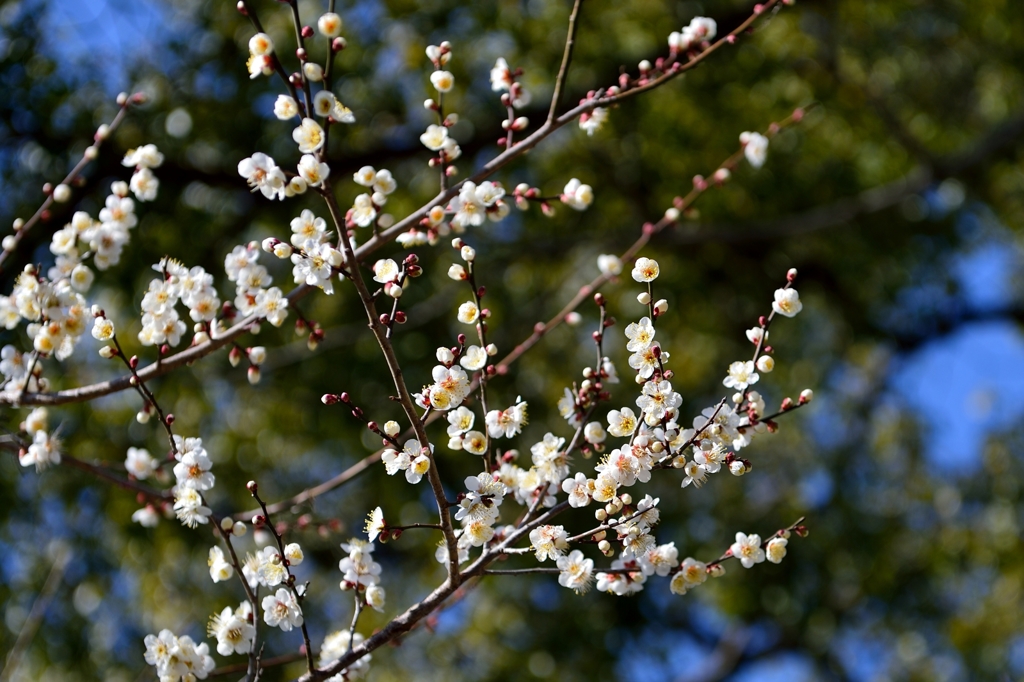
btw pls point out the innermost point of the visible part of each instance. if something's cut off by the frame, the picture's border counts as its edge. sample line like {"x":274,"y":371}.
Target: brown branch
{"x":563,"y":70}
{"x":404,"y":396}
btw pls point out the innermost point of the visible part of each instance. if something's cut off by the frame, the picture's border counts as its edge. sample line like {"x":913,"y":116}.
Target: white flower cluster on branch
{"x":509,"y":509}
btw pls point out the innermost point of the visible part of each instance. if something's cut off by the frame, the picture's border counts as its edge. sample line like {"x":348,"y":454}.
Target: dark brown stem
{"x":404,"y":396}
{"x":563,"y":70}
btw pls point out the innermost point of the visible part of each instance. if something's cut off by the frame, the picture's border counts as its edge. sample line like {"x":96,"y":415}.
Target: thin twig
{"x":563,"y":70}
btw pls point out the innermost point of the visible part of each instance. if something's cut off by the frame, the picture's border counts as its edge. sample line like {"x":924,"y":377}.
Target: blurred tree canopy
{"x":900,"y":199}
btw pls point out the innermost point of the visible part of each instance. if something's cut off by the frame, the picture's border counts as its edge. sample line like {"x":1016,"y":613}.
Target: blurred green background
{"x":900,"y":199}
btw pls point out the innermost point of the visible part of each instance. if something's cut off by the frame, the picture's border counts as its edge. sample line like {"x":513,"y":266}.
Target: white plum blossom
{"x":43,"y":452}
{"x":549,"y":542}
{"x":640,"y":335}
{"x":220,"y":569}
{"x":474,"y":358}
{"x":658,"y":401}
{"x":315,"y":269}
{"x":692,"y":36}
{"x":645,"y":270}
{"x":501,"y":76}
{"x":578,"y":489}
{"x":329,"y":24}
{"x":232,"y":630}
{"x":609,"y":264}
{"x":787,"y":302}
{"x":282,"y":610}
{"x":747,"y":549}
{"x":358,"y":568}
{"x":146,"y":156}
{"x":189,"y":507}
{"x":475,"y":443}
{"x":410,"y":459}
{"x":140,"y":464}
{"x":755,"y":148}
{"x":575,"y":572}
{"x":621,"y":423}
{"x":386,"y":271}
{"x":363,"y":212}
{"x":576,"y":195}
{"x":776,"y":550}
{"x":435,"y":137}
{"x":741,"y":375}
{"x":285,"y":108}
{"x":508,"y":422}
{"x":594,"y":433}
{"x":593,"y":121}
{"x":262,"y":173}
{"x":375,"y":524}
{"x":147,"y":517}
{"x":444,"y":81}
{"x":313,"y":171}
{"x":695,"y":474}
{"x":309,"y":136}
{"x":144,"y":184}
{"x":178,"y":658}
{"x":468,"y":312}
{"x":756,"y":334}
{"x":336,"y":645}
{"x":460,"y":421}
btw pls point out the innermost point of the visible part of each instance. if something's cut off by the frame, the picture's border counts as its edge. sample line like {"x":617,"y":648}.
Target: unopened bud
{"x":61,"y":193}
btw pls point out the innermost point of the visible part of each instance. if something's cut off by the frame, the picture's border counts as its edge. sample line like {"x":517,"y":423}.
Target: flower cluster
{"x":755,"y":148}
{"x":281,"y":610}
{"x":253,"y":293}
{"x":411,"y":459}
{"x":475,"y":203}
{"x":451,"y":384}
{"x":143,"y":159}
{"x":178,"y":658}
{"x":365,"y":209}
{"x":478,"y":510}
{"x":57,"y":315}
{"x":642,"y":436}
{"x":336,"y":645}
{"x":193,"y":476}
{"x":194,"y":288}
{"x":436,"y":138}
{"x":696,"y":34}
{"x":44,"y":448}
{"x":361,"y":573}
{"x":268,"y":568}
{"x":514,"y":96}
{"x":233,"y":629}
